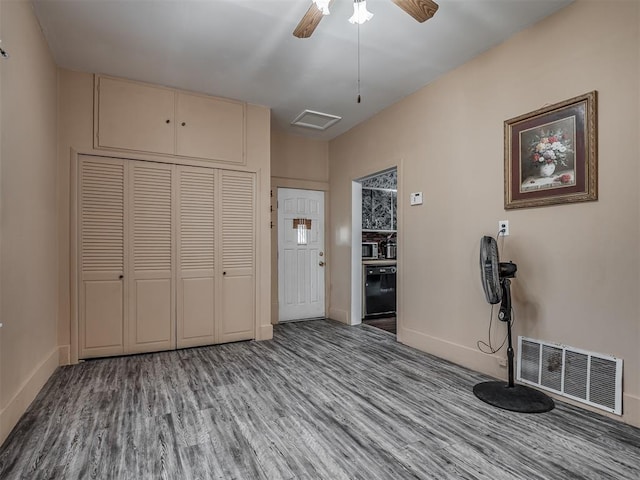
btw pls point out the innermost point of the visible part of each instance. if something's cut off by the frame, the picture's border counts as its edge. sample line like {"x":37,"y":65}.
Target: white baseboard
{"x":266,"y":332}
{"x":630,"y":409}
{"x":341,"y":316}
{"x":453,"y":352}
{"x":488,"y":365}
{"x":16,"y":407}
{"x":65,"y":355}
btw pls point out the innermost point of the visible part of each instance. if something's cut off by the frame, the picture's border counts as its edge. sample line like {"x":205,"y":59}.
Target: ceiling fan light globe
{"x":360,"y":12}
{"x":323,"y":6}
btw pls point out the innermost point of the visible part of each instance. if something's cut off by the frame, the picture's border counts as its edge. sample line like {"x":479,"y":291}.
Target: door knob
{"x":321,"y":264}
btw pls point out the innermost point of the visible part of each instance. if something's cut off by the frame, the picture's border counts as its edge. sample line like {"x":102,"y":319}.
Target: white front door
{"x":301,"y":256}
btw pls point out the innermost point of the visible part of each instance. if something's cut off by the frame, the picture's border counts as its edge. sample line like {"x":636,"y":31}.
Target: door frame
{"x":279,"y":182}
{"x":356,"y":248}
{"x":356,"y":253}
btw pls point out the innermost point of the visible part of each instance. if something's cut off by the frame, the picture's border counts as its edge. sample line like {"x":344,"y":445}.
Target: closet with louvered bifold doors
{"x":165,"y":256}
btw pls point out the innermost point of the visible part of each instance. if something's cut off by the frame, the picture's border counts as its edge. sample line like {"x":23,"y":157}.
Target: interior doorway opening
{"x":375,"y":250}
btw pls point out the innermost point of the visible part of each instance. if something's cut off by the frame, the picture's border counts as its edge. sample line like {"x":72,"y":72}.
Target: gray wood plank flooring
{"x":319,"y":401}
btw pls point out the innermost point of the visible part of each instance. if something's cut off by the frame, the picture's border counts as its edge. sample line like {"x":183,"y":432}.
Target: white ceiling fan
{"x":421,"y":10}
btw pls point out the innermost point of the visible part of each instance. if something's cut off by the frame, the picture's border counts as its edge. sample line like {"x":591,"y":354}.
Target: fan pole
{"x":509,"y":396}
{"x":505,"y":316}
{"x":510,"y":354}
{"x":359,"y":98}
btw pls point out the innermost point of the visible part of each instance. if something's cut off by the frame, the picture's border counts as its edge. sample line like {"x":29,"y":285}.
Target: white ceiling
{"x":245,"y":50}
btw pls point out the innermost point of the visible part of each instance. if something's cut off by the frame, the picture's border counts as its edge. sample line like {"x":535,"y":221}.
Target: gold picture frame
{"x":550,"y":155}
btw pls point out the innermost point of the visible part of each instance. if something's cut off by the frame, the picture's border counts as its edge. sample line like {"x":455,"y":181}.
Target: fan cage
{"x":489,"y":270}
{"x":588,"y":377}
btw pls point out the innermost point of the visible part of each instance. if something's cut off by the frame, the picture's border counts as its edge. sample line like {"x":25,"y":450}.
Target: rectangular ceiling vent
{"x":588,"y":377}
{"x":315,"y":120}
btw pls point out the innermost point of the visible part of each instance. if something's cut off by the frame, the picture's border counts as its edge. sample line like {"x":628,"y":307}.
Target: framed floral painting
{"x":550,"y":155}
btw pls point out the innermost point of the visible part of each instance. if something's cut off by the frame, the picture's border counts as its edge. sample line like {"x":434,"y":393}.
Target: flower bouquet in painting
{"x":547,"y":156}
{"x":550,"y":149}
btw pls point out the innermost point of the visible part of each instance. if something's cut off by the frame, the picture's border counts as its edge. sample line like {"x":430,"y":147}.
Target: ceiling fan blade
{"x":421,"y":10}
{"x":309,"y":22}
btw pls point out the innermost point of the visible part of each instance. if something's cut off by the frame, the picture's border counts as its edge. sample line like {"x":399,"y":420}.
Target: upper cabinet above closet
{"x":145,"y":118}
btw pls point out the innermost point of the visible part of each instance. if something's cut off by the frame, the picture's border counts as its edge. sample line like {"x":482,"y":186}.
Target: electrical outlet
{"x":502,"y":361}
{"x":503,"y":228}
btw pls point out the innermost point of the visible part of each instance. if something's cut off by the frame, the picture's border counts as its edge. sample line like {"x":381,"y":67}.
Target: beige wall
{"x":296,"y":162}
{"x":299,"y":158}
{"x":28,"y":222}
{"x":75,"y":121}
{"x":579,"y":265}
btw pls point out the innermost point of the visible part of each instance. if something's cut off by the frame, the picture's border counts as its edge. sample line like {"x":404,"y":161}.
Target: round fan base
{"x":518,"y":398}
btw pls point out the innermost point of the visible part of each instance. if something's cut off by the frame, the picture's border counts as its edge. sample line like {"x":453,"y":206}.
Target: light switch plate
{"x":416,"y":198}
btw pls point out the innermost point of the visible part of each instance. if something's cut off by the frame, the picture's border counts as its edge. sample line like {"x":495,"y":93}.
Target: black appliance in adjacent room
{"x":379,"y":290}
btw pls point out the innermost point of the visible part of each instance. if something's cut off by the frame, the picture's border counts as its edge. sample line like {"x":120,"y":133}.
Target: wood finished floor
{"x":319,"y":401}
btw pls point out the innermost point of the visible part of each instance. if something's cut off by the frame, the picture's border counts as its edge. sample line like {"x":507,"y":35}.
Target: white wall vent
{"x":588,"y":377}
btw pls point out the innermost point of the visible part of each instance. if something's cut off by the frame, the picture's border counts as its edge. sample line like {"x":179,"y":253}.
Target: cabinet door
{"x":211,"y":128}
{"x":195,"y":256}
{"x":131,"y":116}
{"x":101,"y":259}
{"x":151,"y":290}
{"x":237,"y":300}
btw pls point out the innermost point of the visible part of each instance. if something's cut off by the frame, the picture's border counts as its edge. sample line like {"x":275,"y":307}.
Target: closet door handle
{"x":184,"y":124}
{"x":121,"y":277}
{"x":168,"y":121}
{"x":224,"y":273}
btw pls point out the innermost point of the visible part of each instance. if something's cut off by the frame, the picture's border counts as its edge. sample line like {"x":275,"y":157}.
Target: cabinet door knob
{"x":121,"y":276}
{"x":168,"y":121}
{"x":184,"y":124}
{"x":224,"y":273}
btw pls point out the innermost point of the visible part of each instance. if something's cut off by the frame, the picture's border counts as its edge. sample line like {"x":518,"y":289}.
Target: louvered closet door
{"x":238,"y":256}
{"x":101,"y":259}
{"x":151,"y":292}
{"x":195,"y":256}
